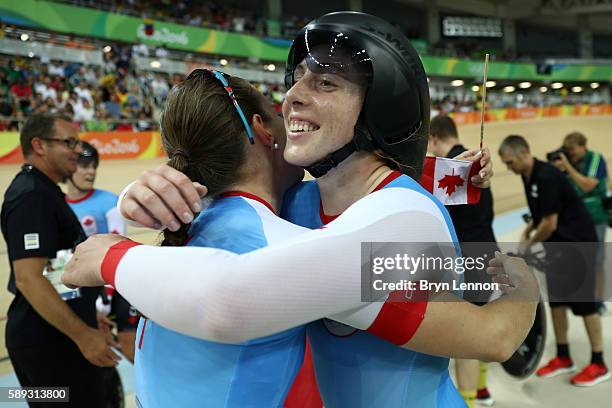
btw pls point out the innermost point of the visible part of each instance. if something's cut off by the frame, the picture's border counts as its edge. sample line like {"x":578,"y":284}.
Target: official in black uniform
{"x":473,"y":224}
{"x":559,"y":216}
{"x":51,"y":336}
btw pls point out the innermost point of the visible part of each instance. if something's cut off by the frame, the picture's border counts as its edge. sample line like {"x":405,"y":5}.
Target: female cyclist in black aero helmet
{"x":369,"y":52}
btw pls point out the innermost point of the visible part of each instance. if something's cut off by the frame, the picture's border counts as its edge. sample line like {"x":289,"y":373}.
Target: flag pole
{"x":484,"y":99}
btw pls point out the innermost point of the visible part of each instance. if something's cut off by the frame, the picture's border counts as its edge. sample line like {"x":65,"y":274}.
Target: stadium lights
{"x":457,"y":82}
{"x":155,"y":64}
{"x":24,"y":37}
{"x":576,"y":89}
{"x":475,"y":88}
{"x":543,"y":89}
{"x":525,"y":85}
{"x":491,"y":84}
{"x":557,"y":85}
{"x":107,"y":49}
{"x":509,"y":89}
{"x":223,"y":61}
{"x":594,"y":85}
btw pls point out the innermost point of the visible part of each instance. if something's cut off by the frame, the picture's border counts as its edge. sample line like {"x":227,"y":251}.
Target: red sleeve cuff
{"x":112,"y":258}
{"x":400,"y":318}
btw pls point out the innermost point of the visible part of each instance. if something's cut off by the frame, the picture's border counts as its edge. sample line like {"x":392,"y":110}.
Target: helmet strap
{"x":82,"y":190}
{"x":360,"y":141}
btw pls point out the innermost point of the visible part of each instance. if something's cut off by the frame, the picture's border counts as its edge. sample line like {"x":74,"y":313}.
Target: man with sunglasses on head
{"x":51,"y":332}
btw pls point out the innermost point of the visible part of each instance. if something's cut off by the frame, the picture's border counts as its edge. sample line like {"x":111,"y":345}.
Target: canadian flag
{"x":449,"y":180}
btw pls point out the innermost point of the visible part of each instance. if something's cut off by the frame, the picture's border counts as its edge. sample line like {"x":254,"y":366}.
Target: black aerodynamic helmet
{"x":89,"y":155}
{"x":365,"y":48}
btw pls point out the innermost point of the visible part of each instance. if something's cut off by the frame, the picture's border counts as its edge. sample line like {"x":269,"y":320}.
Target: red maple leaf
{"x":450,"y":182}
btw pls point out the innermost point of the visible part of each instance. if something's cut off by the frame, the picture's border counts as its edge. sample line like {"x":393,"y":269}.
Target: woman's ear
{"x":261,"y":132}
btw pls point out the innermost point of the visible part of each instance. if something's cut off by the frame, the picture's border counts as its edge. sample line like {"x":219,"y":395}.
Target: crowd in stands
{"x":470,"y":101}
{"x":115,"y":96}
{"x":219,"y":15}
{"x":96,"y":97}
{"x":232,"y":16}
{"x":99,"y":98}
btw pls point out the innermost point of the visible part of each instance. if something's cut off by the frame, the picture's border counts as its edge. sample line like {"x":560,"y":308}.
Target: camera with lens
{"x":556,"y":154}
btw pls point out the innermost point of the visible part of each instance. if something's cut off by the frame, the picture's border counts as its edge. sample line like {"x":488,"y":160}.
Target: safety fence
{"x":147,"y":145}
{"x":498,"y":115}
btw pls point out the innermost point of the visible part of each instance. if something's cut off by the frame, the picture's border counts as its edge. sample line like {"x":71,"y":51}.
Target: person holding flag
{"x":473,"y":223}
{"x":358,"y":156}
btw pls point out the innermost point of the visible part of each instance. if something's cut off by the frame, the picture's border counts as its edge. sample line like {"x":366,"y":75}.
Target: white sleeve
{"x":220,"y":296}
{"x":115,"y":222}
{"x":124,"y":218}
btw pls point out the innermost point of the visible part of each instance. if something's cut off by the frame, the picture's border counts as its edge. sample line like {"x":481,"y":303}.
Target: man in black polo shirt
{"x":52,"y":339}
{"x":472,"y":224}
{"x":559,"y":216}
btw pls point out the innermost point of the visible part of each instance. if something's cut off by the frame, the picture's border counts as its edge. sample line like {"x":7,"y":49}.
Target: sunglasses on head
{"x":221,"y":77}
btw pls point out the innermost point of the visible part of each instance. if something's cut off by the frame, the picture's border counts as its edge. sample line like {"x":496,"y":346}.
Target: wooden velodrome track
{"x":543,"y":135}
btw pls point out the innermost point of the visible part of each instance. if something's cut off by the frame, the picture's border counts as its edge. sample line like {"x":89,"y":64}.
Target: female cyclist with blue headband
{"x":207,"y":136}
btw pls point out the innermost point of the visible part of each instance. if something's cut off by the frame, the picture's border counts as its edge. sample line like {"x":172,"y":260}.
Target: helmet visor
{"x":327,"y":52}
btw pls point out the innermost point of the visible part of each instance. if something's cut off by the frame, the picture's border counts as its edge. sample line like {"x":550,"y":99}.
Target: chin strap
{"x":360,"y":141}
{"x":71,"y":179}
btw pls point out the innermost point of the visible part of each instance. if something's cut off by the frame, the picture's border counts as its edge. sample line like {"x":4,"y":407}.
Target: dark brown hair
{"x":575,"y":139}
{"x":443,"y":127}
{"x":39,"y":125}
{"x":204,"y":136}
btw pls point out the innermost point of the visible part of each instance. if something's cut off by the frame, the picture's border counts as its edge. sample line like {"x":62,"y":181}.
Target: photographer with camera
{"x":587,"y":172}
{"x":562,"y":224}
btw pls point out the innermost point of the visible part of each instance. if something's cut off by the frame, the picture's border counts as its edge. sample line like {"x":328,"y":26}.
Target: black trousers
{"x":570,"y":276}
{"x":62,"y":365}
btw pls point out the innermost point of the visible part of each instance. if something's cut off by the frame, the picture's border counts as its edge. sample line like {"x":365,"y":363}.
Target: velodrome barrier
{"x":147,"y":145}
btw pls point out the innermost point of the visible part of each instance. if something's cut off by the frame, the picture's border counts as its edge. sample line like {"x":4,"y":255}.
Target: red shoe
{"x":483,"y":397}
{"x":592,"y":374}
{"x":556,"y":366}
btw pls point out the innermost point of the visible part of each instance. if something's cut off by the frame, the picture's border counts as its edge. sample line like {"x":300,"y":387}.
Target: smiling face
{"x":61,"y":158}
{"x":320,"y":112}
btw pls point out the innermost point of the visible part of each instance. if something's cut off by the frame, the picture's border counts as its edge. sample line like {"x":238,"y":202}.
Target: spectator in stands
{"x":83,"y":111}
{"x":82,"y":91}
{"x":99,"y":124}
{"x":161,"y":52}
{"x":56,"y":68}
{"x":140,"y":49}
{"x":69,"y":69}
{"x":91,"y":75}
{"x":6,"y":107}
{"x":41,"y":87}
{"x":22,"y":92}
{"x":143,"y":123}
{"x":113,"y":107}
